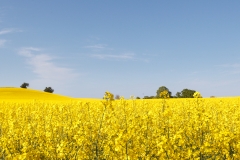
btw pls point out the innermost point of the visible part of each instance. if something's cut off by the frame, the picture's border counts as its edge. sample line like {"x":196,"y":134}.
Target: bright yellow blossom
{"x":121,"y":129}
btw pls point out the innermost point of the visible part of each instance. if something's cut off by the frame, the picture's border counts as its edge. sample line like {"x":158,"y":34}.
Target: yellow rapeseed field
{"x":50,"y":126}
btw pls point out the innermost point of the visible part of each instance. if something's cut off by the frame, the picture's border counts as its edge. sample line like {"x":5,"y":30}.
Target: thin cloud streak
{"x":119,"y":57}
{"x":234,"y":65}
{"x":230,"y":68}
{"x":27,"y":52}
{"x":97,"y":46}
{"x":112,"y":56}
{"x":8,"y":30}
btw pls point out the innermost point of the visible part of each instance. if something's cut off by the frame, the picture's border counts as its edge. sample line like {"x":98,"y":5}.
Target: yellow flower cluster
{"x":164,"y":94}
{"x":127,"y":129}
{"x":197,"y":95}
{"x":108,"y":96}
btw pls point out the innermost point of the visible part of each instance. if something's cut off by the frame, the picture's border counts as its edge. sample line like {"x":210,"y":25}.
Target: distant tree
{"x":178,"y":95}
{"x":117,"y":97}
{"x":148,"y":97}
{"x":161,"y":89}
{"x":138,"y":98}
{"x":24,"y":85}
{"x":212,"y":96}
{"x":185,"y":93}
{"x":49,"y":90}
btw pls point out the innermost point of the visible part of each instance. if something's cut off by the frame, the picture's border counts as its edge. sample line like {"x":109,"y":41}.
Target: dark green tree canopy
{"x":49,"y":90}
{"x":148,"y":97}
{"x":161,"y":89}
{"x":178,"y":95}
{"x":117,"y":97}
{"x":24,"y":85}
{"x":185,"y":93}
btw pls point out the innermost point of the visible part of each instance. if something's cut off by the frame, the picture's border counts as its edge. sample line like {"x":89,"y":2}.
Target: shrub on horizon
{"x":24,"y":85}
{"x":49,"y":90}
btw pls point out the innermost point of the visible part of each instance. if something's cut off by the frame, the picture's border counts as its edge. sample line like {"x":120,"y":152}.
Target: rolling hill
{"x":11,"y":93}
{"x":15,"y":94}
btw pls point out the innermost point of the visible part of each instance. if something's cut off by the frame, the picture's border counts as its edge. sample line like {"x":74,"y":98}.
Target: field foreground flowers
{"x":201,"y":128}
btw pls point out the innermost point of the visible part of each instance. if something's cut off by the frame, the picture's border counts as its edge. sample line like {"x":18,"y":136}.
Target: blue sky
{"x":84,"y":48}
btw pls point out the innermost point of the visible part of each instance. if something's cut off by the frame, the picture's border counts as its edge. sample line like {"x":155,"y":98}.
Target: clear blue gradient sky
{"x":84,"y":48}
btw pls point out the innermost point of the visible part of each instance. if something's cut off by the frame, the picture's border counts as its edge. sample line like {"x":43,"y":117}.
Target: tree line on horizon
{"x":47,"y":89}
{"x":164,"y":92}
{"x":185,"y":93}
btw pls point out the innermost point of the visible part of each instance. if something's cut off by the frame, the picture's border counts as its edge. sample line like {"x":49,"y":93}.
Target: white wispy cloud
{"x":44,"y":67}
{"x":8,"y":30}
{"x":2,"y":42}
{"x":233,"y":65}
{"x":114,"y":56}
{"x":97,"y":46}
{"x":27,"y":51}
{"x":233,"y":68}
{"x":99,"y":49}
